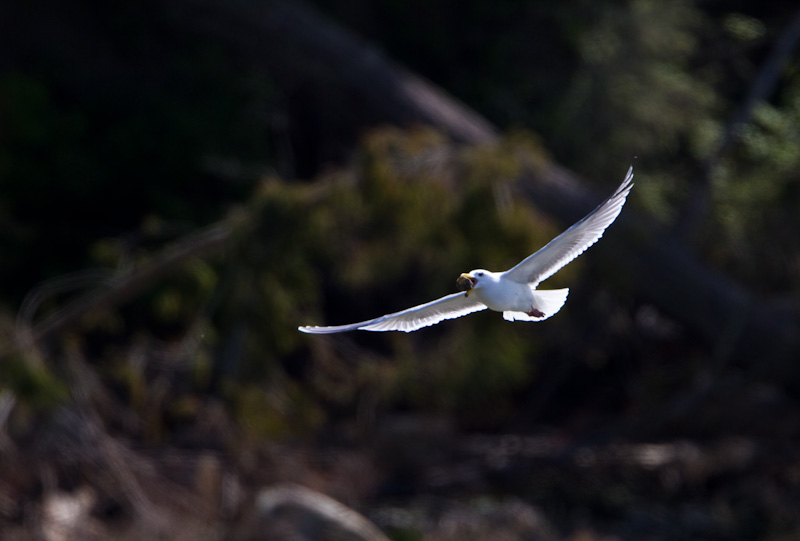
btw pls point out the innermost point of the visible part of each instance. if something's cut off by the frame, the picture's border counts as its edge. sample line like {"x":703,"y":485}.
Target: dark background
{"x":183,"y":183}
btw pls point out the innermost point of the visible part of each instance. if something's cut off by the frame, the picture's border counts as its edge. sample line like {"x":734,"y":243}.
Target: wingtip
{"x":626,"y":185}
{"x":629,"y":176}
{"x":314,"y":329}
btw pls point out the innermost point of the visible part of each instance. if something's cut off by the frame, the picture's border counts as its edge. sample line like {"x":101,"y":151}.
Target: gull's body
{"x":512,"y":292}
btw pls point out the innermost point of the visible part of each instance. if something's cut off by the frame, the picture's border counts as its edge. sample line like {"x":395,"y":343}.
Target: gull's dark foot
{"x":535,"y":313}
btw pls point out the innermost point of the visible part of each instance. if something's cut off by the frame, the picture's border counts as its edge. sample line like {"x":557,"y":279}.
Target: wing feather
{"x":572,"y":242}
{"x":411,"y":319}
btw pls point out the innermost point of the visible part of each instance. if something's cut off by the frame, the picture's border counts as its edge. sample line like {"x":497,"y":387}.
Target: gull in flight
{"x":512,"y":292}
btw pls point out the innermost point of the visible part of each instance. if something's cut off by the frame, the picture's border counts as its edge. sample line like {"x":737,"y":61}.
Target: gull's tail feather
{"x":548,"y":302}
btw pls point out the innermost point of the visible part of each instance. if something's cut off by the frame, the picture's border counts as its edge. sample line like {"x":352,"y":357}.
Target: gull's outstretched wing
{"x":431,"y":313}
{"x":572,"y":242}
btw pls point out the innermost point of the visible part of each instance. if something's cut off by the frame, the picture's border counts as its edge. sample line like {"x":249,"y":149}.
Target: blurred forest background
{"x":184,"y":182}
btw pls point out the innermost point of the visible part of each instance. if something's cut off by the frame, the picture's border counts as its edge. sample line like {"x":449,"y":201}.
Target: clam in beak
{"x":466,"y":283}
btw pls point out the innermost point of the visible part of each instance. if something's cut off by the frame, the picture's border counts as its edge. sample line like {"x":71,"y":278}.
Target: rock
{"x":291,"y":512}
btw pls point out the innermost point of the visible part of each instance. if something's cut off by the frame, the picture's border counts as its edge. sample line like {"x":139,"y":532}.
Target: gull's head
{"x":471,"y":280}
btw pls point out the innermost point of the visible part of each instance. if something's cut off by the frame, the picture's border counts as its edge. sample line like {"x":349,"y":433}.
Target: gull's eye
{"x":480,"y":274}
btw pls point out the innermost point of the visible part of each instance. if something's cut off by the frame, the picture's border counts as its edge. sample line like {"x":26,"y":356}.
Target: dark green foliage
{"x":756,"y":198}
{"x":34,"y":384}
{"x":393,"y":232}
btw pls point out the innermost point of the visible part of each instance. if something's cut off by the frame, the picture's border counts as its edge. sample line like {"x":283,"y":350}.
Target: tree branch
{"x":130,"y":283}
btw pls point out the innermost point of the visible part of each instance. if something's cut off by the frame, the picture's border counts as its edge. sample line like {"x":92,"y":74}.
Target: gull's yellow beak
{"x":466,"y":283}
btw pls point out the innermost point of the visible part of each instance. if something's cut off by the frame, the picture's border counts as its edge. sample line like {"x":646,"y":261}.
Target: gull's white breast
{"x":502,"y":295}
